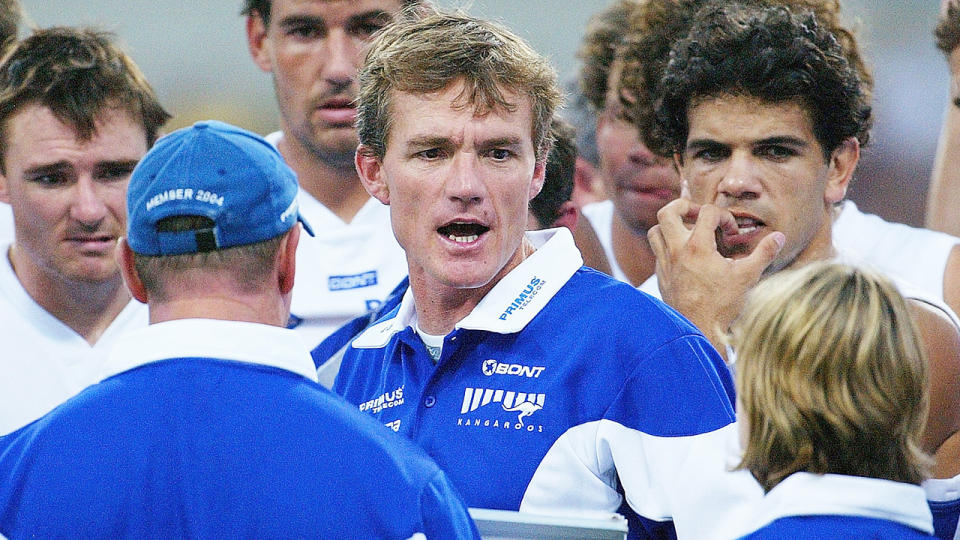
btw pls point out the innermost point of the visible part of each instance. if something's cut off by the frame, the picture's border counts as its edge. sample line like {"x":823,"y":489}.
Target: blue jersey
{"x":943,"y":496}
{"x":213,"y":429}
{"x":559,"y":392}
{"x":829,"y":506}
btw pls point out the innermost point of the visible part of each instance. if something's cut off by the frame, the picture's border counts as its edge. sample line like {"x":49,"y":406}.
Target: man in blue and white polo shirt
{"x":209,"y":423}
{"x":487,"y":362}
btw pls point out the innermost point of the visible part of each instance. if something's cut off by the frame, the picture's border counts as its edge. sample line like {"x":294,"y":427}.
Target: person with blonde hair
{"x":832,"y":399}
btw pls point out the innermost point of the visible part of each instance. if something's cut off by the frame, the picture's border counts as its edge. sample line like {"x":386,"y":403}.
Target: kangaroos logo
{"x":523,"y":404}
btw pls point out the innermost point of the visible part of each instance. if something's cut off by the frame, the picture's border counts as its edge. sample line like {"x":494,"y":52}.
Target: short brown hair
{"x":831,"y":377}
{"x":261,"y":8}
{"x":426,"y":52}
{"x":77,"y":73}
{"x":247,"y":267}
{"x":10,"y":15}
{"x":947,"y":32}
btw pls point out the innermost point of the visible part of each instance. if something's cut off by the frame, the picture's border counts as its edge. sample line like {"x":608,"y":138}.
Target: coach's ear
{"x":129,"y":271}
{"x":370,"y":171}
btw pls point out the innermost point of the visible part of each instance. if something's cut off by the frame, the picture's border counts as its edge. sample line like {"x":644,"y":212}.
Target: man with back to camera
{"x":313,"y":49}
{"x":76,"y":115}
{"x":210,"y":423}
{"x":486,"y":363}
{"x":765,"y":159}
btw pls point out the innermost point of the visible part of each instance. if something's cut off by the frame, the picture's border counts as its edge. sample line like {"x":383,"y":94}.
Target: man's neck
{"x":333,"y":184}
{"x":87,"y":308}
{"x":440,"y":307}
{"x":632,"y":251}
{"x":235,"y":306}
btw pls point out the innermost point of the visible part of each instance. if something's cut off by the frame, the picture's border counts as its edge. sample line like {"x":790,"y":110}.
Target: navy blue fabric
{"x":835,"y":527}
{"x":204,"y":448}
{"x":945,"y":514}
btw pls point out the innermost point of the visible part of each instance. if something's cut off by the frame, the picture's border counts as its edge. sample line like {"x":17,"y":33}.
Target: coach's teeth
{"x":463,"y":239}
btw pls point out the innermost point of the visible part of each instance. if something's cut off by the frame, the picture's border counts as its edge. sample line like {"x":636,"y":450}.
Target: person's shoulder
{"x":596,"y":292}
{"x":855,"y":226}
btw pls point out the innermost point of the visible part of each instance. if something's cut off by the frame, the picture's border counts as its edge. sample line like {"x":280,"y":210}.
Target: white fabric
{"x":942,"y":489}
{"x":805,"y":494}
{"x":689,"y":476}
{"x":210,"y":338}
{"x":917,"y":256}
{"x":600,"y":215}
{"x":45,"y":362}
{"x":354,"y":249}
{"x":555,"y":246}
{"x":6,"y":223}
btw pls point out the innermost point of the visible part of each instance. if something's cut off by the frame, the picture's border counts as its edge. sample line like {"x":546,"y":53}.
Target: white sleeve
{"x":686,"y":480}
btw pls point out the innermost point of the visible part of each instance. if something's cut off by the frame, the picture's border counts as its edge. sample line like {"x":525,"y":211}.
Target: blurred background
{"x":195,"y":55}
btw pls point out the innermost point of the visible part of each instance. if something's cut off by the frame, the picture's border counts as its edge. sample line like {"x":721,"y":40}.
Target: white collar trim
{"x":512,"y":303}
{"x":209,"y":338}
{"x":833,"y":494}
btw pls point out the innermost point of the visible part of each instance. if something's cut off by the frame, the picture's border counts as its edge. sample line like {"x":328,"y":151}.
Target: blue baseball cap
{"x":214,"y":170}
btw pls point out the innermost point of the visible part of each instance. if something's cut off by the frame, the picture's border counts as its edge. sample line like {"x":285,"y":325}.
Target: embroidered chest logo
{"x":492,"y":367}
{"x":523,"y":405}
{"x":383,"y":401}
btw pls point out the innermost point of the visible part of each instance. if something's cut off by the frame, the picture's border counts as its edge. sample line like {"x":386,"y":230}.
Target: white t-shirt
{"x":918,"y":256}
{"x":600,"y":216}
{"x":44,"y":362}
{"x":346,"y":270}
{"x":6,"y":223}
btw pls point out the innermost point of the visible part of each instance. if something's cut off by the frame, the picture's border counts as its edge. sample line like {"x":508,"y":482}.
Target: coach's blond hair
{"x":831,"y":377}
{"x":424,"y":52}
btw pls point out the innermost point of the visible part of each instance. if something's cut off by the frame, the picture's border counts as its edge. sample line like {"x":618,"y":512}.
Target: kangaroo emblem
{"x":526,"y":408}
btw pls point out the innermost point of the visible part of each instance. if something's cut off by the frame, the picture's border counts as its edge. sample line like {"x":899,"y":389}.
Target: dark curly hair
{"x":947,"y":31}
{"x":768,"y":53}
{"x":656,"y":25}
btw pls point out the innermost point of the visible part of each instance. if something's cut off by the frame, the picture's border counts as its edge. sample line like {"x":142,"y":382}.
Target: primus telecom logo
{"x":510,"y":405}
{"x":524,"y":298}
{"x":383,"y":401}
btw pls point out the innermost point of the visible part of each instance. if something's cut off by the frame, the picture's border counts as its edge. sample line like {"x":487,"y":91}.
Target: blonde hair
{"x":831,"y":377}
{"x":425,"y":52}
